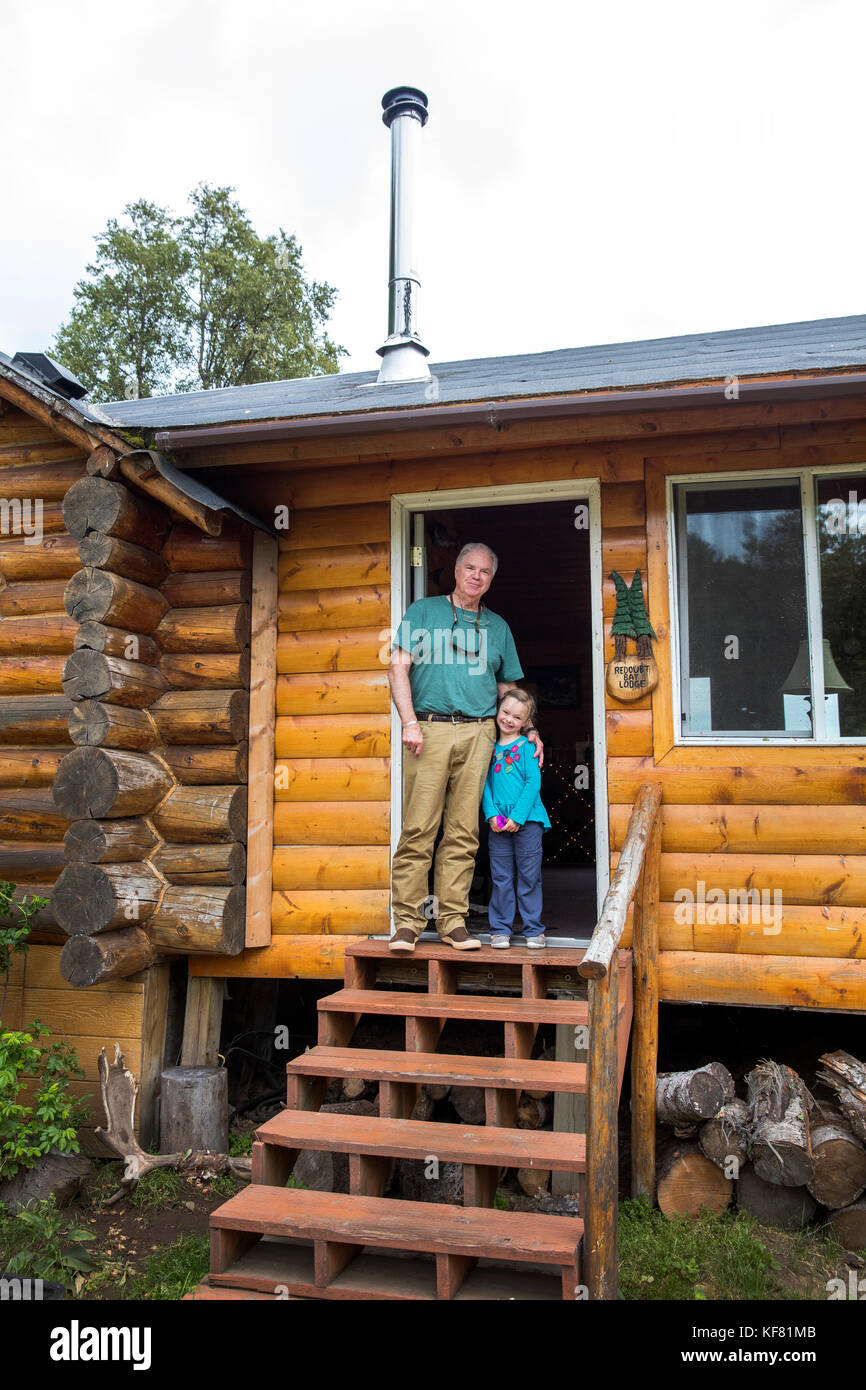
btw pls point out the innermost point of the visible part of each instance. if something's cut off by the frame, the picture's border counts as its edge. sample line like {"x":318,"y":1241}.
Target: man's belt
{"x":457,"y":718}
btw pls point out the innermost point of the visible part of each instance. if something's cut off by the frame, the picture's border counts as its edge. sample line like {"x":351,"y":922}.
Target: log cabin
{"x":201,"y":764}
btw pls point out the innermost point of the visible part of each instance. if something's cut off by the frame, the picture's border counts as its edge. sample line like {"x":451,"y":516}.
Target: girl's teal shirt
{"x":513,"y":786}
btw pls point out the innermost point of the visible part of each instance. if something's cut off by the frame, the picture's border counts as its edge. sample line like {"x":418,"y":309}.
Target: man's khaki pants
{"x":443,"y":784}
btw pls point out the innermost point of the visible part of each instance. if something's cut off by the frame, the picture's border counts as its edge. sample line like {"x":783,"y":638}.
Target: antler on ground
{"x":119,"y":1091}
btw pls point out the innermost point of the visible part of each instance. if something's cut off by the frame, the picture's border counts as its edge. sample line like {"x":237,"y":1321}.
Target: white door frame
{"x":576,"y":489}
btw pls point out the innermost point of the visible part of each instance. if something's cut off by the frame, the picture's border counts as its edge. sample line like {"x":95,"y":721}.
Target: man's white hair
{"x":477,"y":545}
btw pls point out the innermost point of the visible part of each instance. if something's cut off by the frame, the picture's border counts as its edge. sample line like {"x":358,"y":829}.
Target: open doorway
{"x":543,"y":589}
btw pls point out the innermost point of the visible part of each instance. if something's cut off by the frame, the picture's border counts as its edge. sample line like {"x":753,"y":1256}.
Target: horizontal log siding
{"x":332,"y":787}
{"x":35,"y":639}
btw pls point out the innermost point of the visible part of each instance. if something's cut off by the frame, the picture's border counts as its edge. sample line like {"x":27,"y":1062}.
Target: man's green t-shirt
{"x":456,"y":674}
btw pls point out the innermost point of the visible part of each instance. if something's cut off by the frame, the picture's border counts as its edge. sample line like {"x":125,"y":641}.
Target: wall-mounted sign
{"x":631,"y":675}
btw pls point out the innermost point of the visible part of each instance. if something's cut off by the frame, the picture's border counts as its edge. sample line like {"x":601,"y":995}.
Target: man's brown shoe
{"x":461,"y":940}
{"x":403,"y":940}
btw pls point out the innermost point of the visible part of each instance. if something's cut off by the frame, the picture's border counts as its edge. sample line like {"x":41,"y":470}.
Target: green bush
{"x":52,"y":1120}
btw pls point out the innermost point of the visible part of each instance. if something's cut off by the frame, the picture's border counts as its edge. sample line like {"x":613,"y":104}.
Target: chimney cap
{"x":404,"y":101}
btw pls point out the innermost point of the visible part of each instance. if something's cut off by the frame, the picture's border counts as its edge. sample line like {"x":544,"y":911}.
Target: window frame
{"x":806,"y":478}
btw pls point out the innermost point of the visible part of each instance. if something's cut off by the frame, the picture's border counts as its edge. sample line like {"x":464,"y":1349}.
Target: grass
{"x":172,"y":1272}
{"x":708,"y":1256}
{"x":159,"y":1190}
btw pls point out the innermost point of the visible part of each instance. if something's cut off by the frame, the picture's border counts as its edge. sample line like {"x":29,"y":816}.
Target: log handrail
{"x":611,"y":922}
{"x":636,"y":876}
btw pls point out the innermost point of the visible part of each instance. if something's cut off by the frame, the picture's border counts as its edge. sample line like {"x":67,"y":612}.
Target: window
{"x":771,"y":594}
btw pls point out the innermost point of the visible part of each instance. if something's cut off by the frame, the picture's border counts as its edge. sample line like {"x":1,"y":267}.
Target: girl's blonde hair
{"x":522,"y":697}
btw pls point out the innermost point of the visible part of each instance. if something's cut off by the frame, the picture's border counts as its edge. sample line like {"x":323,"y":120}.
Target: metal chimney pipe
{"x":404,"y":356}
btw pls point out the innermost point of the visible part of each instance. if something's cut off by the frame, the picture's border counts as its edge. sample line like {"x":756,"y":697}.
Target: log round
{"x":849,"y":1226}
{"x":132,"y":561}
{"x":220,"y":865}
{"x":200,"y":920}
{"x":202,"y":716}
{"x":215,"y":671}
{"x":92,"y":724}
{"x":684,"y":1098}
{"x":97,"y":782}
{"x":194,"y":1110}
{"x":780,"y":1144}
{"x":787,"y":1208}
{"x":99,"y":596}
{"x":208,"y":590}
{"x":93,"y":960}
{"x":203,"y":766}
{"x":98,"y":504}
{"x":91,"y":898}
{"x":89,"y":675}
{"x":203,"y":815}
{"x":689,"y":1182}
{"x":115,"y":641}
{"x":108,"y":841}
{"x":725,"y":1136}
{"x":222,"y":629}
{"x":102,"y":462}
{"x":188,"y":550}
{"x":839,"y":1165}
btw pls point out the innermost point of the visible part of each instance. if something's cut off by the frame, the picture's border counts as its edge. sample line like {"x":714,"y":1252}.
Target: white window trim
{"x":572,"y":489}
{"x":806,"y":479}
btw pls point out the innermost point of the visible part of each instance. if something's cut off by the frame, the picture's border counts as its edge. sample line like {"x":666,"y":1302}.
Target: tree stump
{"x":194,"y":1109}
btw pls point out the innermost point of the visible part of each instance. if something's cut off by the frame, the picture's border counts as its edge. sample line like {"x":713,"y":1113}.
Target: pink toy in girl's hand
{"x":501,"y":821}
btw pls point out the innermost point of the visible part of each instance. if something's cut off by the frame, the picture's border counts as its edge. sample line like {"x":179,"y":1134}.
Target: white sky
{"x":591,"y":172}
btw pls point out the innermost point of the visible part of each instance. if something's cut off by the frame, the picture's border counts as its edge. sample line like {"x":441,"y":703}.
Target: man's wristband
{"x":409,"y":723}
{"x":531,"y":729}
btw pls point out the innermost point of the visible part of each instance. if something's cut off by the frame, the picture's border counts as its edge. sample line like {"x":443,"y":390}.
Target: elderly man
{"x":450,"y":660}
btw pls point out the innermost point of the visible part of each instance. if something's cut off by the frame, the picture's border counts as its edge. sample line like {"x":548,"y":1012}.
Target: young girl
{"x":517,"y":820}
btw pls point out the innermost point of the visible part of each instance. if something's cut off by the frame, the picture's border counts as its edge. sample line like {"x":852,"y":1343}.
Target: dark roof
{"x":821,"y":345}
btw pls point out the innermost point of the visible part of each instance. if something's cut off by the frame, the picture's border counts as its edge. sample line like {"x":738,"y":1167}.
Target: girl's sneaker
{"x":536,"y":943}
{"x":500,"y":942}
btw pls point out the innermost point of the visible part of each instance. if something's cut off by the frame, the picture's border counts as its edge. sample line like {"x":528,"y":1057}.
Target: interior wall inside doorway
{"x":542,"y":589}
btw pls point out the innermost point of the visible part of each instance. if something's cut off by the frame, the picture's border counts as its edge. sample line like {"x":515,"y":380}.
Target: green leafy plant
{"x":16,"y":920}
{"x":241,"y":1143}
{"x":53,"y":1118}
{"x":39,"y":1242}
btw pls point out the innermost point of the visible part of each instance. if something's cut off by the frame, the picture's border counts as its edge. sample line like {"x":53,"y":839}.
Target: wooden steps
{"x":273,"y":1241}
{"x":426,"y":1015}
{"x":335,"y":1230}
{"x":482,"y":1150}
{"x":437,"y":1068}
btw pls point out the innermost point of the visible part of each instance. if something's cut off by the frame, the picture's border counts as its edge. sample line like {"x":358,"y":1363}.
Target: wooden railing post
{"x":600,"y":1219}
{"x":644,"y":1048}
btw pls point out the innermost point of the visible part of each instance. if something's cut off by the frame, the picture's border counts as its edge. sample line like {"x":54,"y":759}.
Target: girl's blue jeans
{"x":515,"y":867}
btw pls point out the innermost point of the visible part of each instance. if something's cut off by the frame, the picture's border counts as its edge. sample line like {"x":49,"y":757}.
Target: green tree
{"x":195,"y":302}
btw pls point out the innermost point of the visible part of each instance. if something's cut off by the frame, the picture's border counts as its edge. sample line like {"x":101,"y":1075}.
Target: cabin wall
{"x":36,"y":639}
{"x":735,"y":817}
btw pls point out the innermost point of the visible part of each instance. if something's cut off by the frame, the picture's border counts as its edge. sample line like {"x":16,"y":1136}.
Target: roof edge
{"x":498,"y":412}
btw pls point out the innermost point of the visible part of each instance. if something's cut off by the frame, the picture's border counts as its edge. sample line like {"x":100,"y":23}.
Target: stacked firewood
{"x":784,"y":1152}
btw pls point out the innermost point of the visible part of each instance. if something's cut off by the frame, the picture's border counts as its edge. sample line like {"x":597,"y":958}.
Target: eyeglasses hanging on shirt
{"x":466,"y":650}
